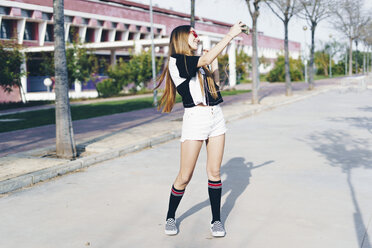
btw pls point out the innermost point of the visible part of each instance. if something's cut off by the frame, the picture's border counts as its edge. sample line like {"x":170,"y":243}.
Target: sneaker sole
{"x":218,"y":234}
{"x":171,"y":232}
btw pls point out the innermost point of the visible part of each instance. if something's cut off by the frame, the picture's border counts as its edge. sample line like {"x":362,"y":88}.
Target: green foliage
{"x":47,"y":64}
{"x":321,"y":60}
{"x":277,"y":74}
{"x":243,"y":65}
{"x":107,"y":88}
{"x":223,"y":68}
{"x":10,"y":59}
{"x":81,"y":65}
{"x":138,"y":70}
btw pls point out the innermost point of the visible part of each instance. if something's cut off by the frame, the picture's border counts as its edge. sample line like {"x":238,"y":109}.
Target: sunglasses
{"x":194,"y":33}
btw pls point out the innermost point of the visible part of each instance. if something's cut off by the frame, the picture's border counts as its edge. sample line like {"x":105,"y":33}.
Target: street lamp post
{"x":305,"y":55}
{"x":330,"y":57}
{"x":155,"y":99}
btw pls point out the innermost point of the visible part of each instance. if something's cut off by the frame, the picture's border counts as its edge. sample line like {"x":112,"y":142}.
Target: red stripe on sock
{"x":215,"y":184}
{"x":177,"y":193}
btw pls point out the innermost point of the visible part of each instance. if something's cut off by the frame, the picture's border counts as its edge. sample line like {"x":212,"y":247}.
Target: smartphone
{"x":246,"y":31}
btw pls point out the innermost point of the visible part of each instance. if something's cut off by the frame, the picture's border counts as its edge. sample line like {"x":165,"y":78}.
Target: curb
{"x":32,"y":178}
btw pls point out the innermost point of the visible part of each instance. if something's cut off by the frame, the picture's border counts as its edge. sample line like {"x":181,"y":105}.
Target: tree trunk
{"x":192,"y":17}
{"x":65,"y":143}
{"x":351,"y":57}
{"x":311,"y":64}
{"x":255,"y":73}
{"x":356,"y":58}
{"x":288,"y":86}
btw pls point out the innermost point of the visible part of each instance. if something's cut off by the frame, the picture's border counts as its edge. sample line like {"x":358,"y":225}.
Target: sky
{"x":231,"y":11}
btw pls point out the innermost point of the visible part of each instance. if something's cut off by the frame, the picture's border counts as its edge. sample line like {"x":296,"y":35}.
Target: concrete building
{"x":112,"y":28}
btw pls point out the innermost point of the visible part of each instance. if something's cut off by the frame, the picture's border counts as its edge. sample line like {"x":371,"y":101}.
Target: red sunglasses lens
{"x":194,"y":33}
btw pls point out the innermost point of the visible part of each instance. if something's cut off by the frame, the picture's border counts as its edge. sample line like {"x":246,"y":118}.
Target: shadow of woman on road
{"x":347,"y":152}
{"x":238,"y":174}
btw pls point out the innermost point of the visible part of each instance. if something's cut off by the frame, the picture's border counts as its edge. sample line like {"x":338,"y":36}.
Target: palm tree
{"x":65,"y":143}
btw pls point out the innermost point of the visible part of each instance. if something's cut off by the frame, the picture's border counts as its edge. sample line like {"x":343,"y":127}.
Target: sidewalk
{"x":124,"y":133}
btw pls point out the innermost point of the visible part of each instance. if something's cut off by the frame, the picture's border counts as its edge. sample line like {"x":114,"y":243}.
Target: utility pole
{"x":155,"y":99}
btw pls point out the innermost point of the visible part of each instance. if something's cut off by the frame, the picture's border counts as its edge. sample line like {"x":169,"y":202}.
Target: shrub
{"x":277,"y":74}
{"x":10,"y":59}
{"x":137,"y":71}
{"x":107,"y":88}
{"x":243,"y":65}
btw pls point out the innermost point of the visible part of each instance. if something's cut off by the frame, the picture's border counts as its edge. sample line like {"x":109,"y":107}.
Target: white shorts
{"x":202,"y":122}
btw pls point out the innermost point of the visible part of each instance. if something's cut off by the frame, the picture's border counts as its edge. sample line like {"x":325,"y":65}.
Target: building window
{"x":131,"y":36}
{"x":85,"y":21}
{"x":89,"y":37}
{"x":30,"y":31}
{"x":100,"y":23}
{"x":68,"y":19}
{"x":47,"y":16}
{"x":6,"y":31}
{"x":26,"y":13}
{"x":114,"y":24}
{"x":105,"y":35}
{"x":4,"y":10}
{"x":118,"y":35}
{"x":49,"y":33}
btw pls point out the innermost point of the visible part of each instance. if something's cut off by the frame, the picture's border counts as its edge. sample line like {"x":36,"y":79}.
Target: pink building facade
{"x":112,"y":28}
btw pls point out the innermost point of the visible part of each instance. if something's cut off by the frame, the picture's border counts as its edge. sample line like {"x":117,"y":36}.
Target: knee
{"x":214,"y":174}
{"x":182,"y":181}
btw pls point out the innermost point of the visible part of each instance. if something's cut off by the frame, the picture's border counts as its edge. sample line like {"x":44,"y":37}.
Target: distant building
{"x":112,"y":28}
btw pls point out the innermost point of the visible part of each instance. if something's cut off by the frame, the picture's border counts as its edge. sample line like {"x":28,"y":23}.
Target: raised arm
{"x":234,"y":31}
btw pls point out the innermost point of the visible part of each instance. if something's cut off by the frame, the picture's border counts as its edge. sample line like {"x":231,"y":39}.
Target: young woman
{"x":203,"y":120}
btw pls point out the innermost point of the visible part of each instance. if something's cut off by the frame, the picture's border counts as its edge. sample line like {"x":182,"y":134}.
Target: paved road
{"x":100,"y":127}
{"x":296,"y":176}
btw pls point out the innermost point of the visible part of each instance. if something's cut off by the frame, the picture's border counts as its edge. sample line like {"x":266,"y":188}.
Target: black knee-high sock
{"x":214,"y":191}
{"x":174,"y":201}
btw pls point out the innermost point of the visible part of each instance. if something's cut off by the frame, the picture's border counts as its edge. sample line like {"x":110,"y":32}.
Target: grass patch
{"x":319,"y":77}
{"x":78,"y":112}
{"x":13,"y":105}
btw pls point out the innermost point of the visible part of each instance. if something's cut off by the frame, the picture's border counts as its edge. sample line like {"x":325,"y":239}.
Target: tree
{"x":349,"y":20}
{"x":192,"y":16}
{"x":322,"y":56}
{"x":277,"y":74}
{"x":243,"y":67}
{"x":366,"y":37}
{"x":11,"y":60}
{"x":285,"y":10}
{"x":253,"y":8}
{"x":65,"y":143}
{"x":81,"y":65}
{"x":138,"y":70}
{"x":314,"y":11}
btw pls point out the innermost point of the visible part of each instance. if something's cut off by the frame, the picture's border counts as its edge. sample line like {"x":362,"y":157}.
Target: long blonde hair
{"x":179,"y":45}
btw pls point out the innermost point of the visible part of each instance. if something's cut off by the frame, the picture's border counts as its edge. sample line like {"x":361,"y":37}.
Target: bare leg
{"x":189,"y":155}
{"x":215,"y":149}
